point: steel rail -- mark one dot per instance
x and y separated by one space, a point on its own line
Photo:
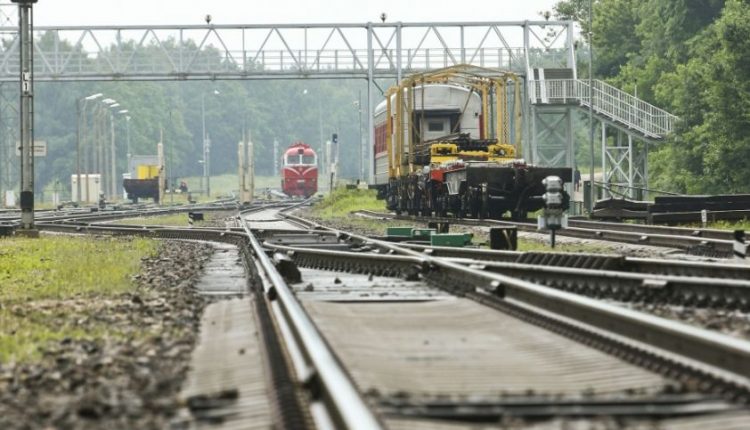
707 233
724 358
625 286
100 216
594 261
623 263
702 291
349 409
610 234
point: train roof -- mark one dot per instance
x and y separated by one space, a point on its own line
380 108
296 146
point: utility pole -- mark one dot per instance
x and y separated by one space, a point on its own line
361 142
26 41
591 107
246 168
4 155
162 173
206 145
101 164
241 169
275 157
250 166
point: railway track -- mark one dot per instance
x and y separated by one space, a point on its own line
489 287
462 299
399 264
700 241
309 387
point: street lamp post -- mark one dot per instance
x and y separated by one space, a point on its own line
114 150
105 175
81 111
206 145
112 153
127 138
96 147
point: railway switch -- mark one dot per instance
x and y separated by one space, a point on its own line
505 238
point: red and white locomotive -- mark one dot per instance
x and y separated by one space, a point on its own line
300 171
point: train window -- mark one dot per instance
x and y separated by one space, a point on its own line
435 126
308 159
292 159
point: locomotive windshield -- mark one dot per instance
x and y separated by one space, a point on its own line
294 159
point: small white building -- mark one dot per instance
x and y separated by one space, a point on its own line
91 187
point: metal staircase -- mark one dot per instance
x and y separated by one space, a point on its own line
610 103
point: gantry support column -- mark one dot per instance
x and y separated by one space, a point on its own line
624 163
552 136
370 106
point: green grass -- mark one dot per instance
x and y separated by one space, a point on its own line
224 185
342 202
47 285
720 225
61 267
728 225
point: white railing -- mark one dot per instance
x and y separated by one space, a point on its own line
609 101
165 63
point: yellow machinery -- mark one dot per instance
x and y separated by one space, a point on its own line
467 175
494 88
147 171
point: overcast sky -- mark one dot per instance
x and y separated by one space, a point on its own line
109 12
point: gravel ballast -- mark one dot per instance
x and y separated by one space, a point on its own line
128 378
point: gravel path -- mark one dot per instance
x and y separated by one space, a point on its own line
128 381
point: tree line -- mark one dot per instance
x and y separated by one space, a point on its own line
692 58
281 110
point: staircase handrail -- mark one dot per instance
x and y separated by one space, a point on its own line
610 101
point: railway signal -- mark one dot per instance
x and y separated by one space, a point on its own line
554 217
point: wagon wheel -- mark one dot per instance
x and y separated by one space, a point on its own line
519 215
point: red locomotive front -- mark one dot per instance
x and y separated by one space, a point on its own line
300 171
